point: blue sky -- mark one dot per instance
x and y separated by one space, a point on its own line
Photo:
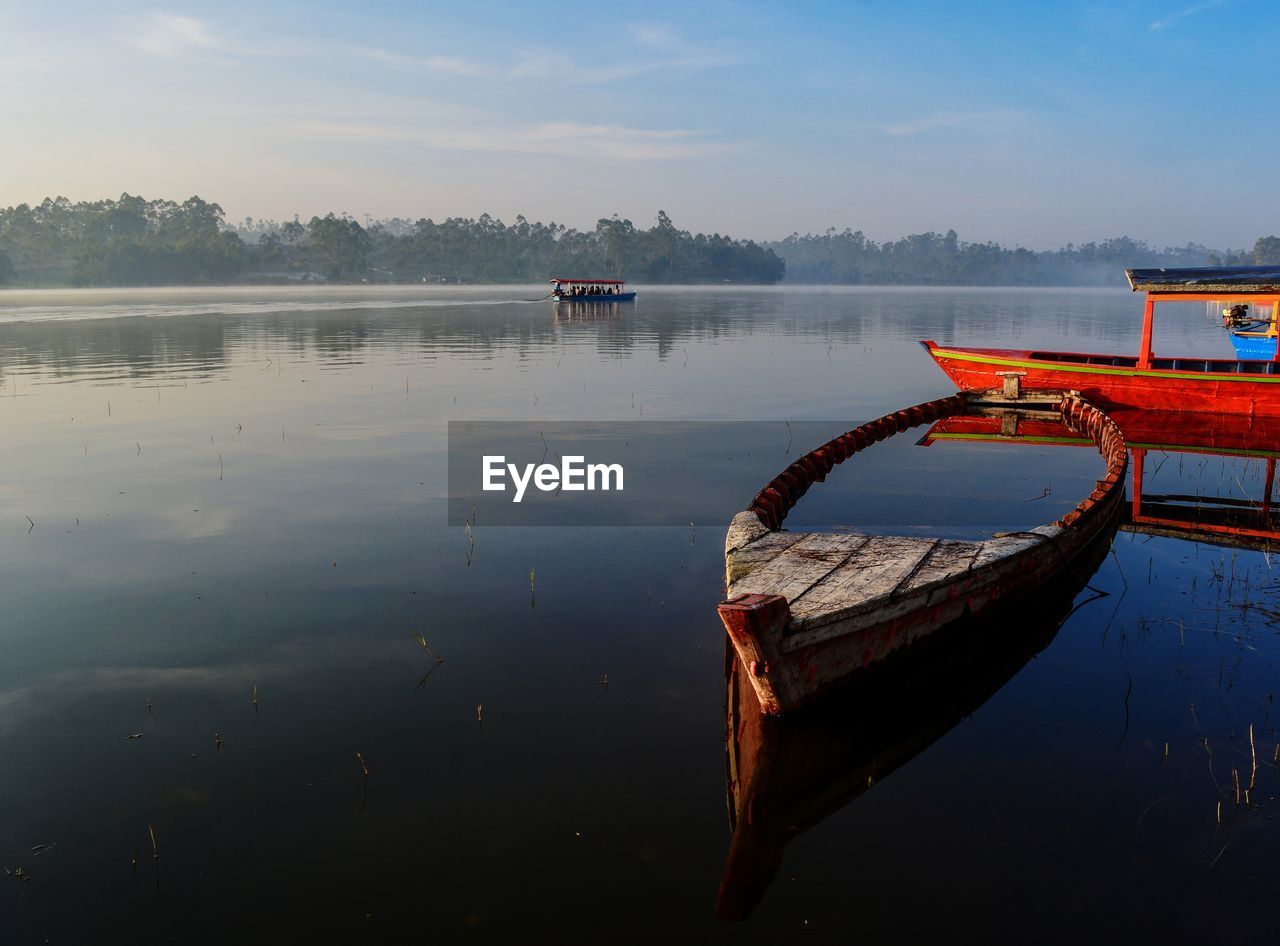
1031 123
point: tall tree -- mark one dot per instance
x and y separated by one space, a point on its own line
1267 250
342 245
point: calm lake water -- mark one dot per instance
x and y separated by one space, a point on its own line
212 496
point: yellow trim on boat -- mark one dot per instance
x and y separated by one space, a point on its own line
953 355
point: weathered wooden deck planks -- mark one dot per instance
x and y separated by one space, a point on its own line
829 577
798 568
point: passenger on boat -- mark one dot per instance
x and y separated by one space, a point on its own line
1235 315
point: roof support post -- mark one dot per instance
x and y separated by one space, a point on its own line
1272 328
1144 351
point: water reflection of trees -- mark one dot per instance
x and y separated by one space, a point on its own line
203 345
134 348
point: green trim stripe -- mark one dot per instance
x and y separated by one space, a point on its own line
1066 366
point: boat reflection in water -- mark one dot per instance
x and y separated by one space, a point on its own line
578 310
1238 521
786 775
1192 511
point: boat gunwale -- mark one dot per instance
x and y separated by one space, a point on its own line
1009 358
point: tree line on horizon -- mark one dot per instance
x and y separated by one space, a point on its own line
134 241
942 259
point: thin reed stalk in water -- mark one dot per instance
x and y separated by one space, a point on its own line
1253 753
422 642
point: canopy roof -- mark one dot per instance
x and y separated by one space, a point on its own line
1232 279
601 282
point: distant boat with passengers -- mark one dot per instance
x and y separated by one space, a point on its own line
564 289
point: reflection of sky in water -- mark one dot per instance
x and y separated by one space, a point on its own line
263 503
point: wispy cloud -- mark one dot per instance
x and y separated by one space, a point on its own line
654 34
446 65
663 50
1166 21
947 120
570 139
545 64
170 35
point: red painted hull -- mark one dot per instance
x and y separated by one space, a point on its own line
1246 388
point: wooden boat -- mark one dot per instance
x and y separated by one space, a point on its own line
1242 386
805 611
564 289
784 776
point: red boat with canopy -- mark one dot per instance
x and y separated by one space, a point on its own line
1145 380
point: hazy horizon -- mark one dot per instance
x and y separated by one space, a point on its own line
1031 126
